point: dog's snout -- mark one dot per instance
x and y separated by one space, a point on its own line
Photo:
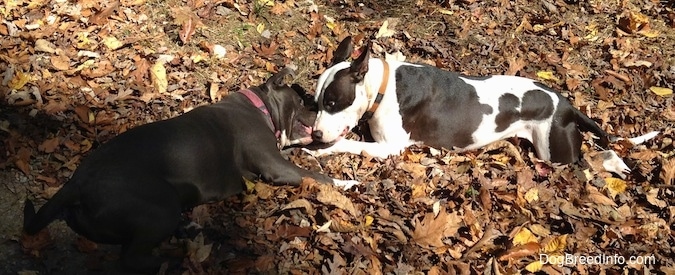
317 134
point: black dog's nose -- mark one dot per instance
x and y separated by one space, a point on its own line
317 134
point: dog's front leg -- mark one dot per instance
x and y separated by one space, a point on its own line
375 149
277 170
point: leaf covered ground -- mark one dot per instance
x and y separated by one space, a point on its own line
76 73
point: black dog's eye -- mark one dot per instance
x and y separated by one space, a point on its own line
330 104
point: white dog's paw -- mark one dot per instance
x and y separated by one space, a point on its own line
345 184
613 163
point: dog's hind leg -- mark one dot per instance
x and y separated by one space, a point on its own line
153 225
137 256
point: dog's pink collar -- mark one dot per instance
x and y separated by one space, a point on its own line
258 103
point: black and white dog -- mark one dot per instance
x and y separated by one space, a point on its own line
132 189
407 104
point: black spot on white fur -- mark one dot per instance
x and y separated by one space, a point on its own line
536 105
421 90
340 93
508 112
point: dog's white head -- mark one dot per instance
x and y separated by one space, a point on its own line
341 94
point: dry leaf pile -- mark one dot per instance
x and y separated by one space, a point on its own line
76 73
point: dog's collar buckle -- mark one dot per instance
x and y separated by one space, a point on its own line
380 93
258 103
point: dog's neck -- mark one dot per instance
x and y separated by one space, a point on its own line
258 103
380 93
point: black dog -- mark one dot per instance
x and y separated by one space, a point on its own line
132 190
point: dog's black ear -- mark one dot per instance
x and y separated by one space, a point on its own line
343 51
277 79
359 67
307 99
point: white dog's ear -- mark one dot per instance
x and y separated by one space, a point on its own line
343 51
359 67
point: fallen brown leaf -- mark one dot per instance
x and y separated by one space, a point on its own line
329 195
101 18
49 145
431 230
187 30
301 203
668 171
520 251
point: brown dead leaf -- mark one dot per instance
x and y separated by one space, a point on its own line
301 203
49 146
60 62
597 197
84 113
101 68
279 8
633 21
652 198
431 230
417 170
53 107
343 226
33 244
265 262
22 159
569 209
668 171
197 251
50 181
141 72
485 198
187 30
418 187
289 232
264 191
520 251
539 230
603 93
85 245
515 65
556 245
620 76
101 18
331 196
266 51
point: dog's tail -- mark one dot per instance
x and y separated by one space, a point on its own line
34 222
587 124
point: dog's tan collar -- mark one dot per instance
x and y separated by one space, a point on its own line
380 93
